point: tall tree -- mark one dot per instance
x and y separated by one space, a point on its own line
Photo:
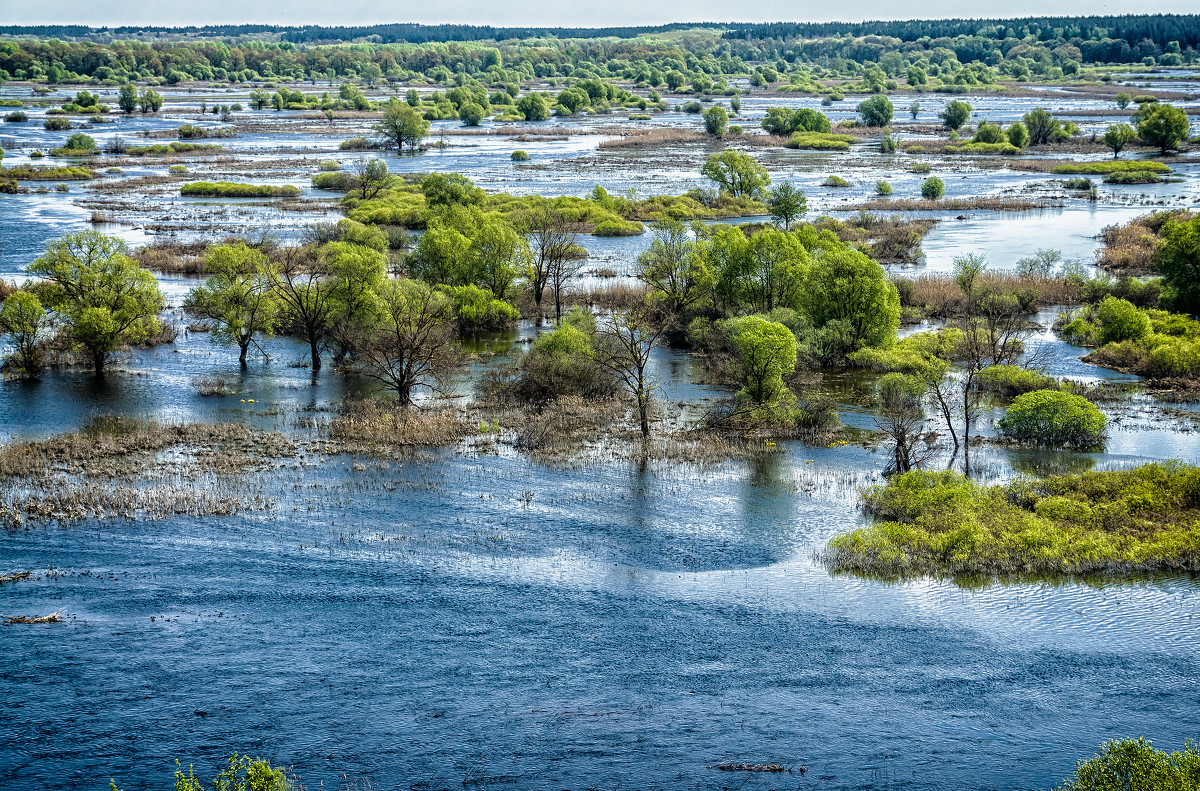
402 126
238 298
301 283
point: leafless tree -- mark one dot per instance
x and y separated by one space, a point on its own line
626 342
552 241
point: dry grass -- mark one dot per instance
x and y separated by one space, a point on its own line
7 289
173 257
378 428
981 203
211 385
938 296
115 447
888 240
655 138
1128 248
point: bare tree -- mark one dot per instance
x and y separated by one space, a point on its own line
552 242
411 343
625 344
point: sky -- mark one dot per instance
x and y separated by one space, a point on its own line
571 13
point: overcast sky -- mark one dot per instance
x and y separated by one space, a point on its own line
573 13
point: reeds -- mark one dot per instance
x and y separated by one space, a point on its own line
938 296
54 617
386 429
654 138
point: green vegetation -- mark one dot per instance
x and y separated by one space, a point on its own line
716 120
174 147
96 290
933 188
787 204
1177 257
27 172
56 124
1161 125
1053 418
736 173
835 181
1113 521
883 188
876 111
956 114
820 141
237 297
1152 343
1134 765
1117 136
1133 177
520 156
229 189
783 122
1110 166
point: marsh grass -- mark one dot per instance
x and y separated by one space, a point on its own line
634 139
384 429
979 203
1128 248
938 296
1115 522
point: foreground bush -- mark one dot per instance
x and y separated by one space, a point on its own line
1134 765
1143 519
1050 417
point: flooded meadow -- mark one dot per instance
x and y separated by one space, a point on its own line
475 615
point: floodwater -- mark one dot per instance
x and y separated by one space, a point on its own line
477 619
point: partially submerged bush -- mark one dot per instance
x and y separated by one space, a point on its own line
1053 418
933 188
229 189
835 181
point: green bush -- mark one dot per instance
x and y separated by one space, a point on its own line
835 181
1004 149
335 181
882 187
55 124
819 141
1050 417
615 227
1104 167
329 166
1120 321
1012 380
229 189
933 188
520 156
475 309
1133 177
16 117
1134 765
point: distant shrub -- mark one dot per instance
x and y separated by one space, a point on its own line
1012 380
819 141
1053 418
177 169
1133 177
16 117
920 167
356 144
56 124
617 227
520 156
229 189
882 187
933 188
835 181
329 166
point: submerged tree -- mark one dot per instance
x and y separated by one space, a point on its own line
673 267
24 321
238 298
736 173
410 343
788 204
300 281
402 126
902 416
624 347
103 296
551 239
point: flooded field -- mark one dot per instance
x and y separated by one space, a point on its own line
472 616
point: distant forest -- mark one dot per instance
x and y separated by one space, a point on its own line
1133 29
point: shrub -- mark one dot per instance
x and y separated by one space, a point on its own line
1136 766
339 181
820 141
1012 380
1050 417
1121 321
835 181
475 309
520 156
876 111
329 166
1004 149
1133 177
356 144
1018 135
933 188
177 169
617 227
55 124
882 187
229 189
16 117
1107 166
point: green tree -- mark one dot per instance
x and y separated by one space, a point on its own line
768 352
127 97
876 111
1123 99
300 281
1120 320
933 188
1177 258
99 292
1054 418
737 173
1018 135
1161 125
674 268
1042 126
370 177
956 114
1117 136
534 107
914 110
24 321
849 294
402 126
471 114
356 275
412 97
716 120
150 101
410 342
237 297
675 79
500 255
788 204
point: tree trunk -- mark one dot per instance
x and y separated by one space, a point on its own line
643 409
316 354
98 359
245 350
